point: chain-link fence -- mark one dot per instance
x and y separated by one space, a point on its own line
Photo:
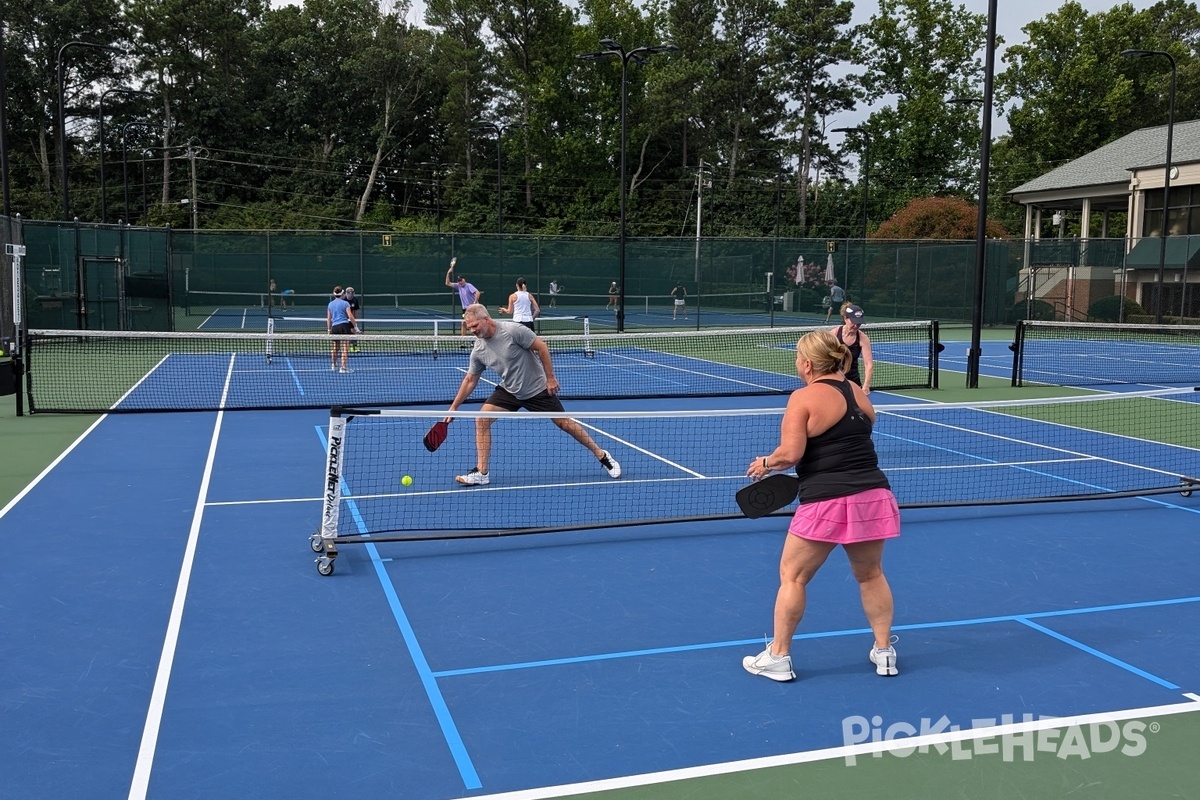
120 278
10 235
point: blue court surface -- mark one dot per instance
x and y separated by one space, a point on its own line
166 634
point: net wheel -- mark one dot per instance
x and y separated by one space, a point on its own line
1186 488
325 566
316 544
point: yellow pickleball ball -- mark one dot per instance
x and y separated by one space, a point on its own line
406 480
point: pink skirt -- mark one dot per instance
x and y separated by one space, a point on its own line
863 517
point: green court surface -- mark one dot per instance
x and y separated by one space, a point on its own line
1164 769
31 443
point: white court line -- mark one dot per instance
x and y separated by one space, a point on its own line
41 475
140 783
1030 443
12 503
846 751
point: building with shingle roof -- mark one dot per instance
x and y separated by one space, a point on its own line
1126 176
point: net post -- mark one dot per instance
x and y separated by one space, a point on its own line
588 352
270 342
935 347
16 252
1018 346
332 497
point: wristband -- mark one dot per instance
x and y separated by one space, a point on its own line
768 469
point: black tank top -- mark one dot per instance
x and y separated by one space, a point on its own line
841 461
855 352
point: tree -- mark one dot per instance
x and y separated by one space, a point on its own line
681 93
34 35
942 218
534 44
1076 93
921 53
808 38
1071 82
751 108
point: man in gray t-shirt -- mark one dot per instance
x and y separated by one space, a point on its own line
522 360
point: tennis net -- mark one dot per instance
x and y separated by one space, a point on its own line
120 371
687 465
226 310
1095 354
421 326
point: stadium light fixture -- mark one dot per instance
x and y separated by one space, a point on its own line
103 189
62 120
125 157
639 55
1162 242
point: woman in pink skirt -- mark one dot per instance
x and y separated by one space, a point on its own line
844 500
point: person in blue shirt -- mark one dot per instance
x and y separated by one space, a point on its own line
339 322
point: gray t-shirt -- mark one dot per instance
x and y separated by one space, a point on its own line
508 353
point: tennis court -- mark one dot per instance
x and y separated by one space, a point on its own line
212 311
177 641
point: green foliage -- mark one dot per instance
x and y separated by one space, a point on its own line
945 218
1035 309
921 52
339 113
1108 309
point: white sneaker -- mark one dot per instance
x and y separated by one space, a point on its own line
884 661
769 665
473 478
610 465
344 370
333 367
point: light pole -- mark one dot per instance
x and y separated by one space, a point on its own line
974 354
640 55
499 130
103 190
985 157
4 133
62 121
866 176
125 158
775 241
1162 242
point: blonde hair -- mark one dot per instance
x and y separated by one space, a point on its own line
826 353
477 310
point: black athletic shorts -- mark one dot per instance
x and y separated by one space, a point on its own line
539 402
342 328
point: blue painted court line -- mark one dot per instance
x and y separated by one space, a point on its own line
295 377
454 741
1021 618
1093 651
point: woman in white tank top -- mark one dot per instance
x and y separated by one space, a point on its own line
522 306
